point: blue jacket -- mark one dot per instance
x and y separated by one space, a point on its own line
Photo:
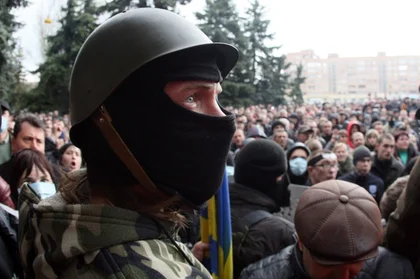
371 183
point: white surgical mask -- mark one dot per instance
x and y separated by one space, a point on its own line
4 122
298 166
43 189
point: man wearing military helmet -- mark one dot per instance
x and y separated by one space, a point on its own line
120 216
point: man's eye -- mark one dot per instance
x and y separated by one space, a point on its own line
190 99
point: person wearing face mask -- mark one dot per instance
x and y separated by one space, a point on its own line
5 137
32 167
255 195
297 172
120 215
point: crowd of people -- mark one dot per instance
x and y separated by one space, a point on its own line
373 145
100 194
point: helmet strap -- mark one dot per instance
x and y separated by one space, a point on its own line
103 120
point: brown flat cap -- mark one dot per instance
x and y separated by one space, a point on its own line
338 222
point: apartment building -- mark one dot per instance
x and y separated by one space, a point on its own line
344 78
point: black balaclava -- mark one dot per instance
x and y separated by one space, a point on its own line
259 164
183 152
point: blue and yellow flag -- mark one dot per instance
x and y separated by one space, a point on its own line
216 229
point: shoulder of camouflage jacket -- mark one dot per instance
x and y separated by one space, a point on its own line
91 241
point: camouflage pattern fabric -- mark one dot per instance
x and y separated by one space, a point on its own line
63 240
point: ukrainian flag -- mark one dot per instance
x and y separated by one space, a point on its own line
216 229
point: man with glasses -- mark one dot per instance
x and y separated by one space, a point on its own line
322 166
361 175
384 165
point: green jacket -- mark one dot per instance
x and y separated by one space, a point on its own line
63 240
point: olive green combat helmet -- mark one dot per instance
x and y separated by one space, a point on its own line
126 42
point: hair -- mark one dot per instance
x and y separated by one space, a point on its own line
342 133
410 165
386 136
313 145
352 135
23 163
327 122
339 145
372 133
31 119
377 123
280 132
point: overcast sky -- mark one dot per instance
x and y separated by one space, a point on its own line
349 28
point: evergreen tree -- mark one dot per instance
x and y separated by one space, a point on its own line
221 22
118 6
256 28
267 69
77 23
271 88
296 93
8 56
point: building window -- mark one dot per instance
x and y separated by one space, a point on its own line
402 67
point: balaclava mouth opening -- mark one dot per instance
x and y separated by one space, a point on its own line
183 152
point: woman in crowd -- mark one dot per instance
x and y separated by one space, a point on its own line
70 157
345 161
404 150
32 167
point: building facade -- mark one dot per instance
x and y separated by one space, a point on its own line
347 78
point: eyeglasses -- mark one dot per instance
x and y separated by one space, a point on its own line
327 166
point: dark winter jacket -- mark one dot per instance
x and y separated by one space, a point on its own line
345 167
371 183
9 255
388 171
403 228
266 237
288 265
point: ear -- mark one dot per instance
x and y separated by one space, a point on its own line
299 244
13 144
310 169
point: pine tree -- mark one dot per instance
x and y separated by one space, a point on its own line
256 28
268 70
119 6
221 23
296 93
8 56
77 23
274 81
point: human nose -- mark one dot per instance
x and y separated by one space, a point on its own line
211 106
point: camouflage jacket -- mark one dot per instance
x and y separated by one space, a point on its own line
63 240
